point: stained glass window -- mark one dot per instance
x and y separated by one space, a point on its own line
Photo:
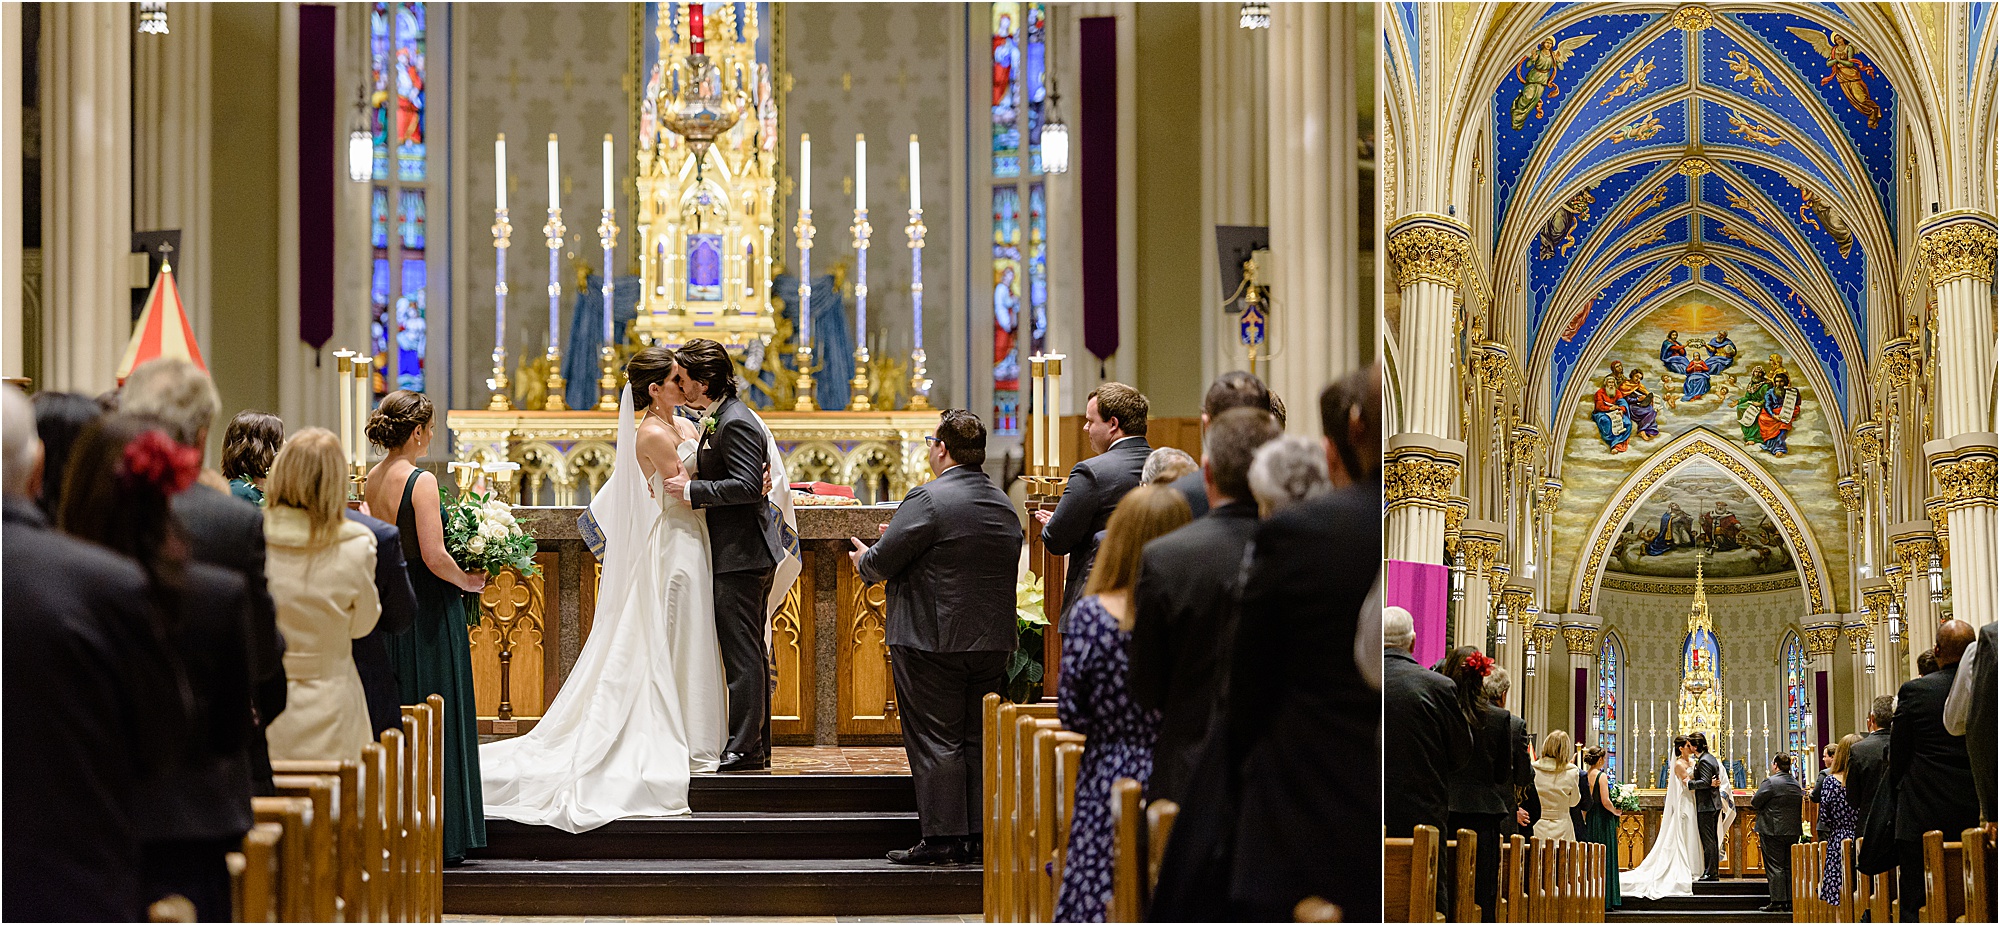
1006 309
1798 700
1006 90
1037 86
1610 698
1038 268
398 36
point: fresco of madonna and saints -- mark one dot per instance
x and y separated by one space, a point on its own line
1701 511
1698 361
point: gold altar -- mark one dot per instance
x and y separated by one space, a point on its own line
833 680
566 455
1740 854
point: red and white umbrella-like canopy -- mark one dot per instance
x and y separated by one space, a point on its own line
163 329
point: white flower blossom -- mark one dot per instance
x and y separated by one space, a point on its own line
476 546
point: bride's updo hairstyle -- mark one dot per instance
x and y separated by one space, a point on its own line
397 417
647 368
1680 741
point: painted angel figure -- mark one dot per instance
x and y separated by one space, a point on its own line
1844 64
1814 210
1537 73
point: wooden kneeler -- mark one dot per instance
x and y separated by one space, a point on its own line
324 869
1977 844
253 874
1944 880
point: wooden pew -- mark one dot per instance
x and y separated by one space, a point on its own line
324 871
302 843
395 890
375 822
253 874
1409 876
1944 880
1160 817
1977 844
1005 867
1068 766
422 730
1465 851
347 818
1128 847
1025 876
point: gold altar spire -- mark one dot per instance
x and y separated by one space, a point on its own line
1701 684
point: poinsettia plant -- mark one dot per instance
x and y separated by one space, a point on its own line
1024 667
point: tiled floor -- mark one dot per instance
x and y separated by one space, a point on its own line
835 760
719 918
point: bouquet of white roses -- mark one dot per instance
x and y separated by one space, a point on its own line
1626 798
481 534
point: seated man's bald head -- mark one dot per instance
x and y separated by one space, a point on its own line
1952 638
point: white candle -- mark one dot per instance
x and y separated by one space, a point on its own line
555 189
607 170
861 171
346 401
805 172
500 171
364 383
916 177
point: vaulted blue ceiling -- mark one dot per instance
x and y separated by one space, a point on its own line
1652 156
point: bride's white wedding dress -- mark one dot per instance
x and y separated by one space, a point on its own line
1674 862
645 705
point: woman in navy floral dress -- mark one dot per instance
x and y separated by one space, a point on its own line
1837 818
1092 698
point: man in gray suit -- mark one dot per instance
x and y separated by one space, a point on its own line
1777 806
949 556
1114 421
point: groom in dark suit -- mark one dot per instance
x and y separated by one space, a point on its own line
1706 782
745 540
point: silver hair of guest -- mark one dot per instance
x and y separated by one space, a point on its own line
1399 629
1286 471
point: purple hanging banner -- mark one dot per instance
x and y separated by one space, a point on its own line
318 116
1097 180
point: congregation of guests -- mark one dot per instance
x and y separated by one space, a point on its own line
173 629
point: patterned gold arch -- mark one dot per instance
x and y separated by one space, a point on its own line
1701 443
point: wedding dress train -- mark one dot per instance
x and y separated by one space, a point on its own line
645 705
1674 862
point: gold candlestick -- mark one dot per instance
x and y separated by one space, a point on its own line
554 229
607 235
803 358
857 396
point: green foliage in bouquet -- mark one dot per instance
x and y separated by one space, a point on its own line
481 535
1024 667
1626 798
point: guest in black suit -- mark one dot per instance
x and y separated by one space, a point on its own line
949 556
1710 789
96 702
1868 760
59 418
1183 623
1483 789
1969 712
221 530
1929 771
746 541
1114 421
192 813
399 612
1233 389
1778 804
1429 738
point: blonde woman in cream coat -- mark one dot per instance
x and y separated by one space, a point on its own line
321 568
1557 785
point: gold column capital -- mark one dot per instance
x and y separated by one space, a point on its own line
1581 638
1420 470
1958 245
1964 468
1428 247
1850 493
1820 637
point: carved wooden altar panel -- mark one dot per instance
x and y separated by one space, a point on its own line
866 688
792 650
513 620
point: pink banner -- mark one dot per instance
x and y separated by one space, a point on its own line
1423 590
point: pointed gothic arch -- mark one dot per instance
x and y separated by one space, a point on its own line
1702 445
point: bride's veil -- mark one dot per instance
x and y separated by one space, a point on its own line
620 512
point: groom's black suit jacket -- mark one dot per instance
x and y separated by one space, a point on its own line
743 534
1705 782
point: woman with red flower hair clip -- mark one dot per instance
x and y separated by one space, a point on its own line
1483 789
193 807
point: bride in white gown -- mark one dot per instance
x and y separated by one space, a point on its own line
1674 862
645 706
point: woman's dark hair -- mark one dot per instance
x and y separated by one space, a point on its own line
123 474
1470 681
708 363
60 418
397 417
1680 741
647 368
964 437
250 443
1783 762
1593 755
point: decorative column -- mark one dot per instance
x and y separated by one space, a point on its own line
1427 254
1484 545
1581 638
1511 653
1958 250
170 150
1822 630
1235 158
1911 545
1890 669
13 292
1315 325
86 103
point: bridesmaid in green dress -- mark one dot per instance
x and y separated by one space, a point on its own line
1600 821
435 656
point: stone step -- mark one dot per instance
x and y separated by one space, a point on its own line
716 835
626 887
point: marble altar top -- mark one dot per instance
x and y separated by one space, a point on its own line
815 523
